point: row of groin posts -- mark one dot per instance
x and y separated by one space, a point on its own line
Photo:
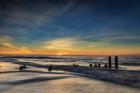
115 60
109 65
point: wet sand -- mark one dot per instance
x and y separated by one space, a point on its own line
36 80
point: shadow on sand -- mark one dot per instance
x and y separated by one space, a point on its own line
32 71
34 80
122 77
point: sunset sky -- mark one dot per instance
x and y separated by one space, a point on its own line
70 27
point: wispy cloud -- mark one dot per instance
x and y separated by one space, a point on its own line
22 15
68 44
8 47
68 26
23 20
60 44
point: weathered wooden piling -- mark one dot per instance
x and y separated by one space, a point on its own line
75 65
95 65
21 68
105 65
116 62
99 65
50 68
109 62
90 65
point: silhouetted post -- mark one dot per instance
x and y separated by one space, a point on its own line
24 67
90 65
50 68
105 65
116 62
75 65
99 65
109 62
95 65
21 68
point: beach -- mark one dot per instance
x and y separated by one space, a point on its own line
37 79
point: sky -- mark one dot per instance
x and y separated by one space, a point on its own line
70 27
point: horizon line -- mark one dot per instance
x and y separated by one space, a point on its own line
67 55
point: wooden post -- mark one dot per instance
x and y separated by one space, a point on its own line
99 65
109 62
116 62
105 65
90 65
95 65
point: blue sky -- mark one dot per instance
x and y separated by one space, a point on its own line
106 24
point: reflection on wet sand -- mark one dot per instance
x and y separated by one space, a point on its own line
36 78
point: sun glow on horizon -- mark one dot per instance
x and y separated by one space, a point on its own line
66 46
71 27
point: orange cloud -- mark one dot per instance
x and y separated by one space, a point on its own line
65 46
